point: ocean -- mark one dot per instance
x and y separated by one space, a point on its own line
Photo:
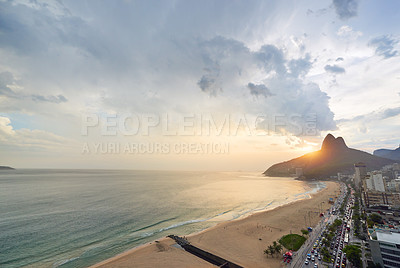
75 218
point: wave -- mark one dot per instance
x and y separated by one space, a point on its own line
153 224
62 262
181 224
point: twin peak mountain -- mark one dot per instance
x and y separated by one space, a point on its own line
334 157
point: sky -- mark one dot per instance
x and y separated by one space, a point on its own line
194 85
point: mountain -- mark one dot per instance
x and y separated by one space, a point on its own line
6 168
390 154
333 157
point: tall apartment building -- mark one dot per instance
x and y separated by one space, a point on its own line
360 173
374 182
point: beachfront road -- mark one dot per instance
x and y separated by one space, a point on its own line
301 254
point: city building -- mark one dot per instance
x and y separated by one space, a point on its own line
374 182
299 172
374 198
394 185
360 173
396 166
385 248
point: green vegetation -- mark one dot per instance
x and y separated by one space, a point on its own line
304 232
376 218
353 254
326 256
373 265
275 248
292 241
357 219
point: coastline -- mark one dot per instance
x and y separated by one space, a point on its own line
242 240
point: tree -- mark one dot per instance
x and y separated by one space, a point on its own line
353 254
326 255
376 218
266 252
271 250
304 232
374 265
278 248
337 222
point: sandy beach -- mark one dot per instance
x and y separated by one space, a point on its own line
240 241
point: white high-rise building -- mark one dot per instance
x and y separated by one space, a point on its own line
375 182
379 182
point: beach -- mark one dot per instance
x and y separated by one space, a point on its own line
240 241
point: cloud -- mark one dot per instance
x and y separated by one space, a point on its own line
384 46
53 99
345 9
347 33
300 67
340 59
269 65
27 139
373 116
5 127
7 80
390 112
379 121
334 69
317 13
259 90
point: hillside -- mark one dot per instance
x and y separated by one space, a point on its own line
6 168
333 157
390 154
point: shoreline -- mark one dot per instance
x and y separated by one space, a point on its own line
253 233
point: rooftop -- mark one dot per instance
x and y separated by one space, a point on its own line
389 237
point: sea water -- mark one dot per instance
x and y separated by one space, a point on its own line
75 218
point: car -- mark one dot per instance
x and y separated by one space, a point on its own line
312 258
306 262
316 254
319 258
312 251
315 265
